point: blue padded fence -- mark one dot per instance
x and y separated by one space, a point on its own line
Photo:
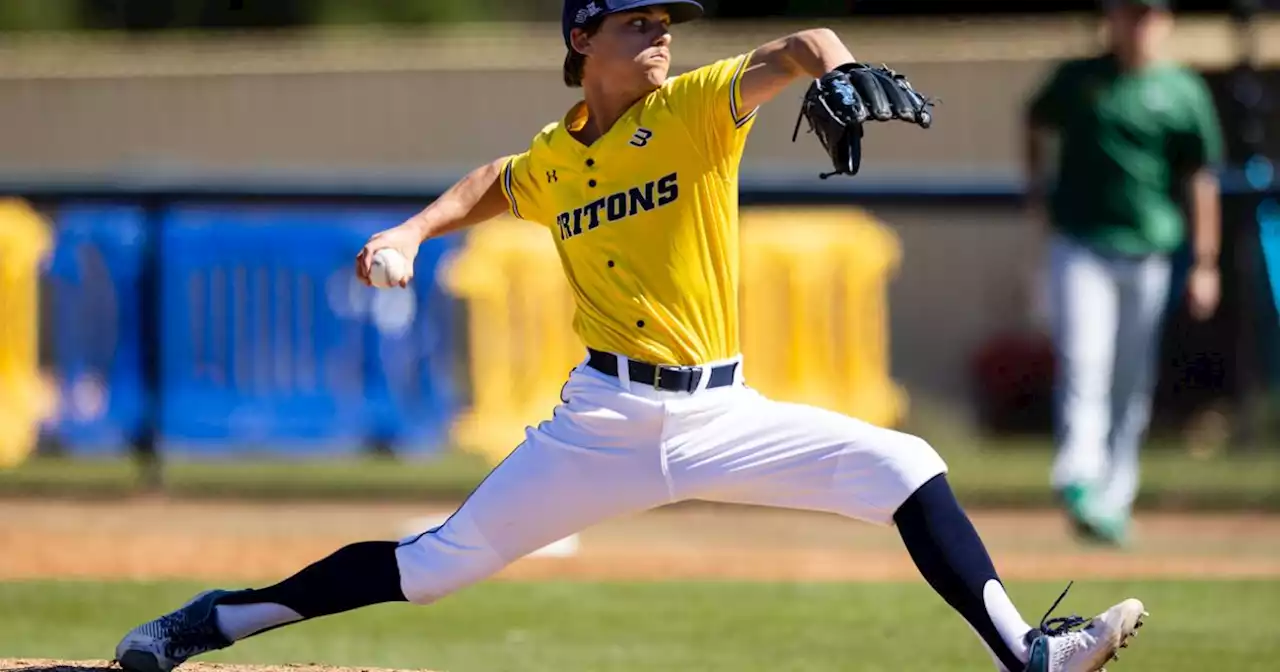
94 284
267 343
271 343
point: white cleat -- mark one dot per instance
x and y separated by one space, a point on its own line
1061 645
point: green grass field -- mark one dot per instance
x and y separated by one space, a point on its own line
571 627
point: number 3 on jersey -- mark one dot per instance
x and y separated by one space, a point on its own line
641 138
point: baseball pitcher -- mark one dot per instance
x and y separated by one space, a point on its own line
637 186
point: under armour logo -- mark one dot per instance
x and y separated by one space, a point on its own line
641 138
551 177
587 12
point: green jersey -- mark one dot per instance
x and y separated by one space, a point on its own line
1127 143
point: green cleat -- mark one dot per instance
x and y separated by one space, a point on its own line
1088 525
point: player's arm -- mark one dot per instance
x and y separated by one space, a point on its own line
777 64
1205 151
475 198
1206 220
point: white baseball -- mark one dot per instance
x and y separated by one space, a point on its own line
389 268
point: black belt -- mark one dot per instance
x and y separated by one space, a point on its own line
670 378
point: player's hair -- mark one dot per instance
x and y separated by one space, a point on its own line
574 61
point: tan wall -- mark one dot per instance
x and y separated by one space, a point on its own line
964 275
430 101
344 122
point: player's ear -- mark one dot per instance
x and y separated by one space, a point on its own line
580 40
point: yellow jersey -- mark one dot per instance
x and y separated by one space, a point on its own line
645 219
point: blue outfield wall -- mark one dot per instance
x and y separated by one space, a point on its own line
95 294
266 342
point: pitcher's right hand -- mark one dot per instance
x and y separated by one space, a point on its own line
404 239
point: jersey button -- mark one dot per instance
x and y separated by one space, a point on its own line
610 263
591 162
592 183
640 323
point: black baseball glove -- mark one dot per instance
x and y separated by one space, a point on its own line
841 101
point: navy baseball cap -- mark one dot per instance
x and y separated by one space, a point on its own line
578 13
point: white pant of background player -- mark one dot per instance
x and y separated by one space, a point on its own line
615 447
1106 315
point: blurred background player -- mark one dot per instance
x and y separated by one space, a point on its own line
1138 136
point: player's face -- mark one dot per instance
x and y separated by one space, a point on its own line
1139 31
633 47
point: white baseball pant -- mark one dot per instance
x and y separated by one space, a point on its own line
614 448
1106 315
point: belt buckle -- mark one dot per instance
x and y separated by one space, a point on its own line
657 377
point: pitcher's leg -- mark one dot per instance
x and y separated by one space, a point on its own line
795 456
544 492
419 569
592 462
952 558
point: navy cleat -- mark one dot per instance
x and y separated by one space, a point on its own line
167 642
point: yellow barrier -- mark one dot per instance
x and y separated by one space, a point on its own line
25 397
815 310
520 311
814 319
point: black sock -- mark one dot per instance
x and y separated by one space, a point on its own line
948 552
354 576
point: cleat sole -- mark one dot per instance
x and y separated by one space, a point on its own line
139 661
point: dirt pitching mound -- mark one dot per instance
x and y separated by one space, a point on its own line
40 665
